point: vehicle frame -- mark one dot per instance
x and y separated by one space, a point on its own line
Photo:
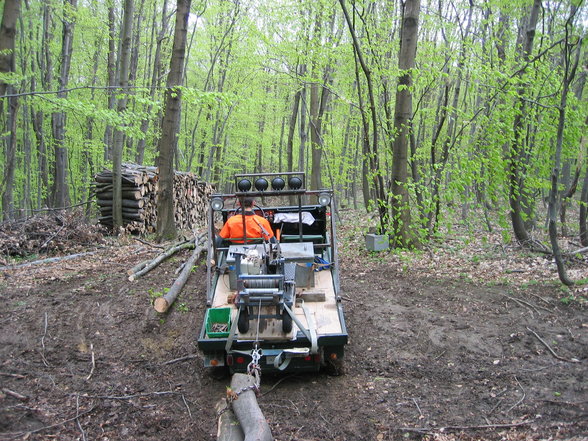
303 331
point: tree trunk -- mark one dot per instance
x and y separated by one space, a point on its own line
302 127
372 156
163 303
291 131
403 124
10 158
155 80
111 69
59 119
253 423
584 210
118 138
516 168
7 46
166 227
7 38
569 72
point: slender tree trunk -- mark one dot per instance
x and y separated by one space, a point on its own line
403 124
584 198
10 158
376 172
302 129
59 119
291 131
155 80
571 189
166 227
118 138
7 39
516 153
569 72
7 46
112 74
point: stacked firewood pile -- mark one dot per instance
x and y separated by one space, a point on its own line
139 198
64 231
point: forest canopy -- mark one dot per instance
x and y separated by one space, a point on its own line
410 109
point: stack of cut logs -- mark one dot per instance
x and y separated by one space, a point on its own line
139 197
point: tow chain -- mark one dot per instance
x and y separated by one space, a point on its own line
253 370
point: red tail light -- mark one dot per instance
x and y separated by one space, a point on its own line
240 360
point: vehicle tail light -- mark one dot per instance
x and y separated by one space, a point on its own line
240 360
214 362
230 360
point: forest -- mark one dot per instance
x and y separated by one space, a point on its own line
456 127
423 112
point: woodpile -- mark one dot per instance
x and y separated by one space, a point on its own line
55 233
139 199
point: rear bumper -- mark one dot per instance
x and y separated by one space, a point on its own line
285 356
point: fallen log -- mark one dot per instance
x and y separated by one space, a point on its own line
229 428
138 267
253 423
162 304
160 258
49 260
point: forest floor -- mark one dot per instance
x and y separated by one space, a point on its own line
471 340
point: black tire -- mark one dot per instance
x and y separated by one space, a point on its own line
334 368
220 373
286 322
243 323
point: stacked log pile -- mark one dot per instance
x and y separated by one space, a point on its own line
139 198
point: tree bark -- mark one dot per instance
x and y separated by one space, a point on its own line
111 72
7 45
400 209
118 138
372 149
155 80
7 39
570 68
229 428
166 227
253 423
163 303
10 159
583 212
59 119
516 154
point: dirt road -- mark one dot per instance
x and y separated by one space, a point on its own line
83 355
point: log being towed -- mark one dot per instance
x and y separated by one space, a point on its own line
247 411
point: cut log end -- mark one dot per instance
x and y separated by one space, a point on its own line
161 305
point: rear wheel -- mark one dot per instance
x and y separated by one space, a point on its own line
286 322
243 323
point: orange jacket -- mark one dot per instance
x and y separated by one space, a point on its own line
233 228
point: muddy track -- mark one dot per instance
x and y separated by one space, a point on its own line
428 359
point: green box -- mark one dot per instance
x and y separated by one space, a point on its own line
221 316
